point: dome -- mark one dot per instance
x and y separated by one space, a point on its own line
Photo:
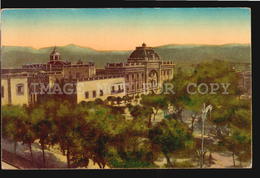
144 53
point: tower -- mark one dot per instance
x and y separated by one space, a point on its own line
54 56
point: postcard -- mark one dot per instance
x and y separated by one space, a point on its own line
126 88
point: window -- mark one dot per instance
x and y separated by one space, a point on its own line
86 94
133 87
119 88
101 93
94 94
113 88
2 91
20 89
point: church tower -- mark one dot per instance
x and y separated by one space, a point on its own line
54 56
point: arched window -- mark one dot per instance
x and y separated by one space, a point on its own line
101 93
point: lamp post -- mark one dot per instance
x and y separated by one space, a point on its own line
205 110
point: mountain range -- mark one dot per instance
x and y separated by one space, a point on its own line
15 56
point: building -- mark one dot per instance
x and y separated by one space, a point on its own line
32 83
14 89
245 83
68 70
143 71
89 90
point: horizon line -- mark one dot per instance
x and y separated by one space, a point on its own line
177 44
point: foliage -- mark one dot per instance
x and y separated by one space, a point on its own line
171 136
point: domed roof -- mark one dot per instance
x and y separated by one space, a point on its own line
144 53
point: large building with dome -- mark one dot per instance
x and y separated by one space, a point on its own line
144 71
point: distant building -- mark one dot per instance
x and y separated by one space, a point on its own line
89 90
144 71
245 83
14 89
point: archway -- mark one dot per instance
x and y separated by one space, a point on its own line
153 79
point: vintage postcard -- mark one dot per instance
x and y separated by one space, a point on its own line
109 88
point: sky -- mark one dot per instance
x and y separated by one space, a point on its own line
124 28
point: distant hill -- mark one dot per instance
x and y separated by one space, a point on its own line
15 56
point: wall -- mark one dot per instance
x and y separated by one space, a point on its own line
97 85
83 71
4 100
15 98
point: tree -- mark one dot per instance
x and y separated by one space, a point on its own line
156 102
171 136
111 99
229 111
96 129
118 100
99 101
29 136
141 112
42 120
65 126
237 138
239 143
179 97
14 123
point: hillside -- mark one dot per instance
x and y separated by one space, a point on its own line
15 56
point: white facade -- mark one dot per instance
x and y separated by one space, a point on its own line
101 88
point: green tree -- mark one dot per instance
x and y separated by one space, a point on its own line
13 118
229 111
156 102
42 120
179 97
65 127
141 112
29 136
171 136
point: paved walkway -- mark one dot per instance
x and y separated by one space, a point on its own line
54 158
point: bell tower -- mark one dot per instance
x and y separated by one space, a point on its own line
54 56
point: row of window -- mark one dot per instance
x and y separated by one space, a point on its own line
94 94
19 89
135 76
119 89
101 92
141 75
138 86
166 72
